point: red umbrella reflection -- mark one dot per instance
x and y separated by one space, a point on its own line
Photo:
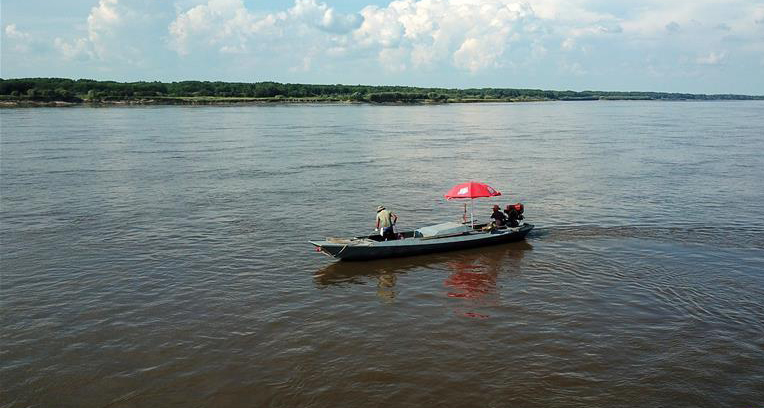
473 283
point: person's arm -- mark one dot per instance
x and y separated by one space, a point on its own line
395 218
377 225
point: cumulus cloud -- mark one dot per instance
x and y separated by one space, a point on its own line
229 26
475 54
223 23
393 59
470 34
116 31
102 21
323 17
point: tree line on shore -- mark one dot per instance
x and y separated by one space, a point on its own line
87 90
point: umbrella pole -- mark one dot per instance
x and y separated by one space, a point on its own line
472 215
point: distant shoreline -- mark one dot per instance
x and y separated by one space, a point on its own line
240 101
62 92
5 103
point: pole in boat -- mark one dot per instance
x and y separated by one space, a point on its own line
472 213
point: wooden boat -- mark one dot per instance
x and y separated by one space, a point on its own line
447 236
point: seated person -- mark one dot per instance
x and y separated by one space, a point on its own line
513 215
499 219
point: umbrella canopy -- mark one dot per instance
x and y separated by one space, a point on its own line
471 190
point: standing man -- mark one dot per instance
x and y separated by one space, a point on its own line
385 222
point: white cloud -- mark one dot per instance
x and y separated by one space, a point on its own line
579 11
568 44
393 59
656 16
223 23
573 68
381 26
595 29
538 50
469 34
20 39
303 66
228 25
475 54
117 31
323 17
103 21
27 47
712 58
13 33
78 49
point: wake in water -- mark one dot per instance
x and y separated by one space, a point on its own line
723 235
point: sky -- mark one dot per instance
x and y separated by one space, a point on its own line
693 46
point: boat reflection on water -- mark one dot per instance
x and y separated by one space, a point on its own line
472 273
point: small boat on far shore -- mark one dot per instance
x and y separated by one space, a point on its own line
449 236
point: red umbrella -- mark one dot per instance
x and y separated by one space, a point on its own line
471 190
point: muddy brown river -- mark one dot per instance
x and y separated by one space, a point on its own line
159 256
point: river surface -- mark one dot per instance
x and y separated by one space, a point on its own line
158 256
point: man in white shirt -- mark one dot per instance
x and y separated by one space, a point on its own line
385 221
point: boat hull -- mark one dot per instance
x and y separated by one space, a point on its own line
419 246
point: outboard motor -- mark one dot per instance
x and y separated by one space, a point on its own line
514 214
519 207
